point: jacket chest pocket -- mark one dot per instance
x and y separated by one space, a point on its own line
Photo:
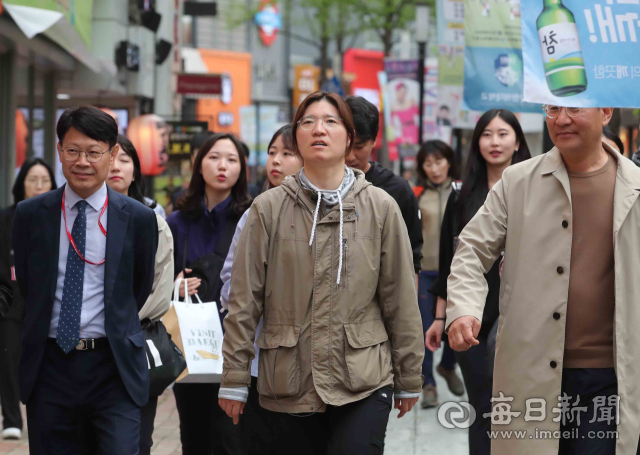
367 355
279 367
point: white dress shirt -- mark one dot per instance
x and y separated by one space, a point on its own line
92 314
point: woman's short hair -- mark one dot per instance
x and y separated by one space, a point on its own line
343 111
439 149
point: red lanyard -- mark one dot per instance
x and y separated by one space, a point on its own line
73 243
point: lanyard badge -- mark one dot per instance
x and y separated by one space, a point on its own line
73 243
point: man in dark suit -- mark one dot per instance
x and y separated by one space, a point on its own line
84 261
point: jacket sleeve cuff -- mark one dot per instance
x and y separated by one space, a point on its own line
457 313
235 394
411 384
235 378
406 395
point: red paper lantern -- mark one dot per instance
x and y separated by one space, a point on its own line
150 137
22 132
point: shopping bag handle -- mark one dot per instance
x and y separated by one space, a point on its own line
176 291
187 297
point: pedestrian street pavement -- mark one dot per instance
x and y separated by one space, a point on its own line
417 433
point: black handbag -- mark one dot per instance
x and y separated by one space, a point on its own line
165 360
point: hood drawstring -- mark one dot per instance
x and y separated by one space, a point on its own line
340 242
315 223
315 219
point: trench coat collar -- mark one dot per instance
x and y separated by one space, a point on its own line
627 187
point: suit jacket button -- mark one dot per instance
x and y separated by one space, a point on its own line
553 364
565 224
556 316
560 270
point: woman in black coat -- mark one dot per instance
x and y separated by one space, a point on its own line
34 179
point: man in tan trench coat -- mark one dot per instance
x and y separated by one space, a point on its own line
569 325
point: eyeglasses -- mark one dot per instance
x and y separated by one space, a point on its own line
35 180
554 111
309 122
93 156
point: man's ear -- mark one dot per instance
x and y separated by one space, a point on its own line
607 113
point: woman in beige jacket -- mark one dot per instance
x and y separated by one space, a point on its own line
331 271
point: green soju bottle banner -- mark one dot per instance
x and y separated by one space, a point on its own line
582 53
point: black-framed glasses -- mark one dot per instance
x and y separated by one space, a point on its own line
309 122
93 155
554 111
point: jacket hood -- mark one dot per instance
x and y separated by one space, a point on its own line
379 174
292 186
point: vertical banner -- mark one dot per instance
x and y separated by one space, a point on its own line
403 95
306 81
269 124
493 69
433 125
582 53
449 112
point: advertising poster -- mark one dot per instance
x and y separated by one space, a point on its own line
403 94
434 124
449 111
493 68
582 53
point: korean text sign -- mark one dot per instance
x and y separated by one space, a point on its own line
582 53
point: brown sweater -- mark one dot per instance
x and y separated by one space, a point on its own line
591 304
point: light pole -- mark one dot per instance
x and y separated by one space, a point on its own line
423 14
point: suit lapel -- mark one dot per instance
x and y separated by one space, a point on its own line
52 219
117 221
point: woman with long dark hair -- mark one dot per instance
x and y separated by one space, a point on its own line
203 227
498 142
35 178
326 260
437 170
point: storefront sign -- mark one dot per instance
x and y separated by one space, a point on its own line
199 84
306 82
180 135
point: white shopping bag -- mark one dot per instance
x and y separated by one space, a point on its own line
201 336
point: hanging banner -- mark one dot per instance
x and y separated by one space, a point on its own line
493 69
450 14
401 112
582 53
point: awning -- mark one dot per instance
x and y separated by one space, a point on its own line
55 26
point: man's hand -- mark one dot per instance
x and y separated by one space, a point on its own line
233 408
463 333
404 404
